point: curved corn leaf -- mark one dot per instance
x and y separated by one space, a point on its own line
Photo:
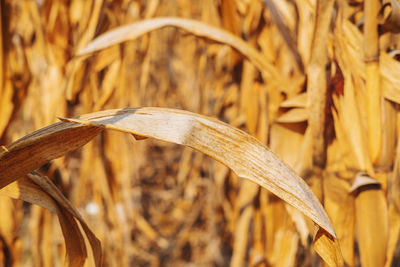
35 149
41 191
201 29
244 154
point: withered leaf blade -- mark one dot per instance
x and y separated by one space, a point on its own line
244 154
68 209
298 101
293 115
39 147
201 29
27 190
328 248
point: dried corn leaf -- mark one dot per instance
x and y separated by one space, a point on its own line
37 148
298 101
41 191
328 248
343 220
294 115
246 156
135 30
48 187
28 191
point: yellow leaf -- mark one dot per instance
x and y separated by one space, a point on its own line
134 30
41 191
245 155
39 147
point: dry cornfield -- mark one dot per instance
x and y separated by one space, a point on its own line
218 89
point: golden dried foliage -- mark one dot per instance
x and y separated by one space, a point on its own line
315 81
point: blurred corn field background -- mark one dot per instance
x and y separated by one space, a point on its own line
317 81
